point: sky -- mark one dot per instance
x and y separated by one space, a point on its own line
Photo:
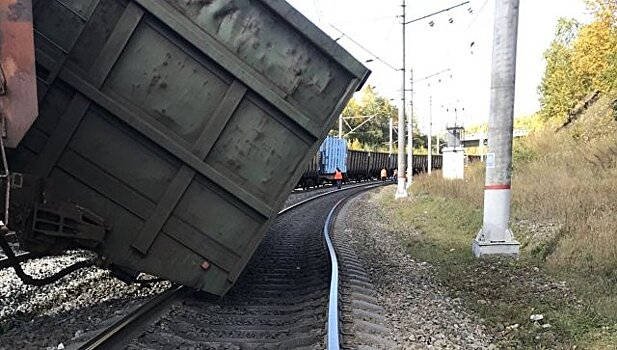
457 46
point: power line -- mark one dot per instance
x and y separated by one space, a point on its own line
370 19
317 10
432 75
437 12
343 34
390 29
477 14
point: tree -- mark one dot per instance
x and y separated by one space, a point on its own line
581 59
374 134
558 91
595 48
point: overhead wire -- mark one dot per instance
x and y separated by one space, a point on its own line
369 19
437 12
391 28
447 84
477 14
343 34
317 10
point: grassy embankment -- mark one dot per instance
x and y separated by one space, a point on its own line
564 211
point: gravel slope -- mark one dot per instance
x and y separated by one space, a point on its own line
417 307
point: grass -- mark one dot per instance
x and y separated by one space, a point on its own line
563 211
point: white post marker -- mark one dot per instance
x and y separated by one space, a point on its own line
340 126
430 133
391 137
495 238
401 189
410 135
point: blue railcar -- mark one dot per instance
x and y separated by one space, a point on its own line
332 155
357 165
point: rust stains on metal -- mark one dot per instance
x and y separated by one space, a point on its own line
18 102
19 11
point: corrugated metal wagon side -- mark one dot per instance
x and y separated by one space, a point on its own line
181 125
333 155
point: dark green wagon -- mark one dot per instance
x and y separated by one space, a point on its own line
171 132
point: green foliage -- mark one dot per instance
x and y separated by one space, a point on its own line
523 153
563 213
374 134
477 128
596 46
581 59
558 92
530 123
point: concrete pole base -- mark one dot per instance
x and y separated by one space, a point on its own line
481 247
401 190
398 195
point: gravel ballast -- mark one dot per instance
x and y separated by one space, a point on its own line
418 309
65 312
70 311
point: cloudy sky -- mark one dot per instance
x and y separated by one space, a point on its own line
444 46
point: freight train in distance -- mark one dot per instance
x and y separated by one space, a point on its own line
358 165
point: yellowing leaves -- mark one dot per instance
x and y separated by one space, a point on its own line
580 59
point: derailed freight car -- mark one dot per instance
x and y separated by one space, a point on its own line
171 132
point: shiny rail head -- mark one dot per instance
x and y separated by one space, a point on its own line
333 331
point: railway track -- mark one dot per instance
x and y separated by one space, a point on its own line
25 256
288 297
328 186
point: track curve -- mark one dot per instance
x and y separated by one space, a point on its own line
279 302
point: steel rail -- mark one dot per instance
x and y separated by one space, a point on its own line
332 328
369 185
333 332
114 336
299 190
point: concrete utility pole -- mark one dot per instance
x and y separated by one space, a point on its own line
391 136
430 132
401 190
340 126
495 238
410 135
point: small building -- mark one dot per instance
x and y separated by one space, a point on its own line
454 153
